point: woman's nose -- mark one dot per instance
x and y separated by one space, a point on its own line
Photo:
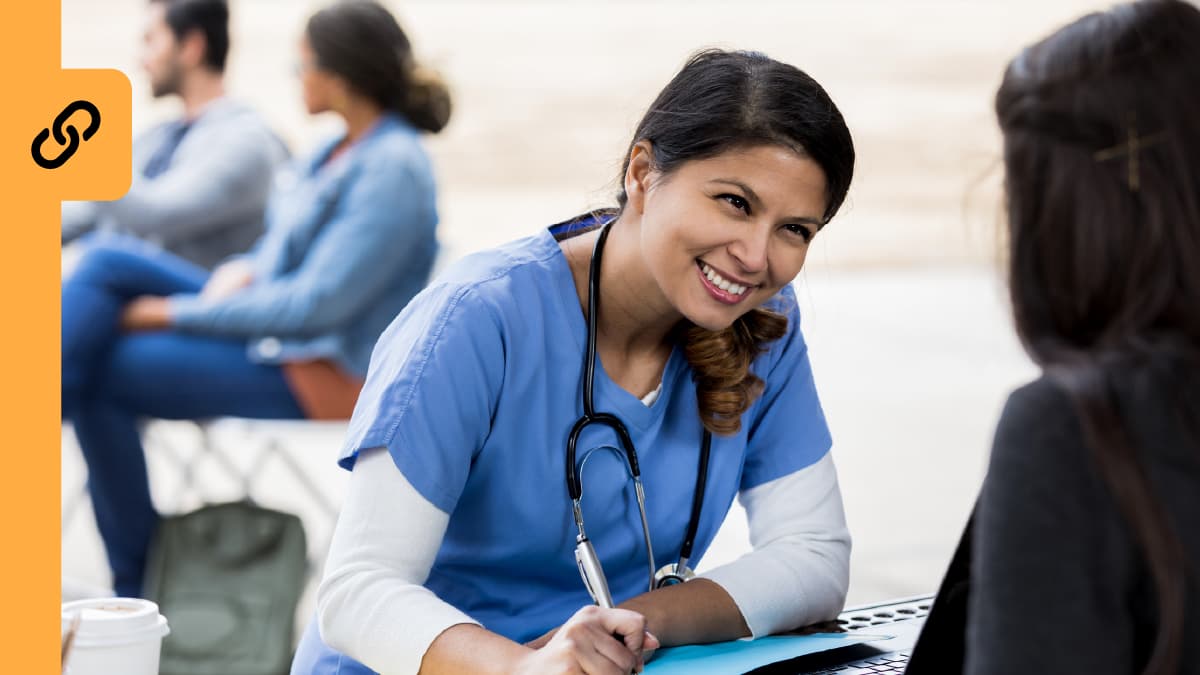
750 249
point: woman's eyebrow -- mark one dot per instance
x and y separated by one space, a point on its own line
750 194
756 201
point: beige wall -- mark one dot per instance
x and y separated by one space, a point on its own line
548 92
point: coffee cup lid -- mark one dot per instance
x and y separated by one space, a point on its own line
113 621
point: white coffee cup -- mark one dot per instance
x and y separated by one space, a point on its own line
115 635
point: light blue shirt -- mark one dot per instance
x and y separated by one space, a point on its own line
349 242
473 391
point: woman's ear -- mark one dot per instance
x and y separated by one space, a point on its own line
339 94
637 176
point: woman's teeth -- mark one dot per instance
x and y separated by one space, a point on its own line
716 280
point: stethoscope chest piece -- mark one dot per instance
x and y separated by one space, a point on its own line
672 574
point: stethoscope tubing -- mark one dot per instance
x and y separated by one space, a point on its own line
590 416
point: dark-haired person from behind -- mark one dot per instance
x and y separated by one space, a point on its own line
201 181
285 331
522 392
1085 552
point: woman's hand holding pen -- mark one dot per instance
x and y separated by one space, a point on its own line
595 641
647 650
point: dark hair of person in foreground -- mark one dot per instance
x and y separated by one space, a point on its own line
1101 127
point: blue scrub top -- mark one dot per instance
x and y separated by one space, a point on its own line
473 391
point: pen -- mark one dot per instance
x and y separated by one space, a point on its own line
592 573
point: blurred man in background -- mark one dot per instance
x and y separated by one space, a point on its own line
200 182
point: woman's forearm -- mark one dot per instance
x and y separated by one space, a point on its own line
698 611
797 574
468 648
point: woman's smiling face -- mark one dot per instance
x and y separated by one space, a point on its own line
722 235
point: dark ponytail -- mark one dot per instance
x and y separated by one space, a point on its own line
360 41
721 360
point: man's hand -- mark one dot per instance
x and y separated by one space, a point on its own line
227 279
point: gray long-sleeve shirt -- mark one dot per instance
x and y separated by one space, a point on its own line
209 202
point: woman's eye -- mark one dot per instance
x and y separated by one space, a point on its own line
801 231
738 203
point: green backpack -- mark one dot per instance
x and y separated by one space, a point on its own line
228 577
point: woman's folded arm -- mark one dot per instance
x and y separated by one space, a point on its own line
371 604
799 570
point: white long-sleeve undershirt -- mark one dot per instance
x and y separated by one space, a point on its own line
372 605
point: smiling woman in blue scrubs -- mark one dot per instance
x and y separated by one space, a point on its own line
456 548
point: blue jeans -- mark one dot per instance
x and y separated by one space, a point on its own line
111 379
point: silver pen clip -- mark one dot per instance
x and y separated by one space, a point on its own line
590 570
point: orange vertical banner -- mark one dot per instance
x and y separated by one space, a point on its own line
63 135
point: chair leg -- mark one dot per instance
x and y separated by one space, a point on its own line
78 496
213 451
274 447
154 436
264 445
297 470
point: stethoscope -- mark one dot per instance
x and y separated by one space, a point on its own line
585 554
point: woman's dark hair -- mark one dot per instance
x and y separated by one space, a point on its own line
1102 157
360 41
210 17
722 101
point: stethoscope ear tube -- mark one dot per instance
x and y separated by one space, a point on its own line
679 572
689 539
593 311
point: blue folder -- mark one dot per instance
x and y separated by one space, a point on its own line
739 656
